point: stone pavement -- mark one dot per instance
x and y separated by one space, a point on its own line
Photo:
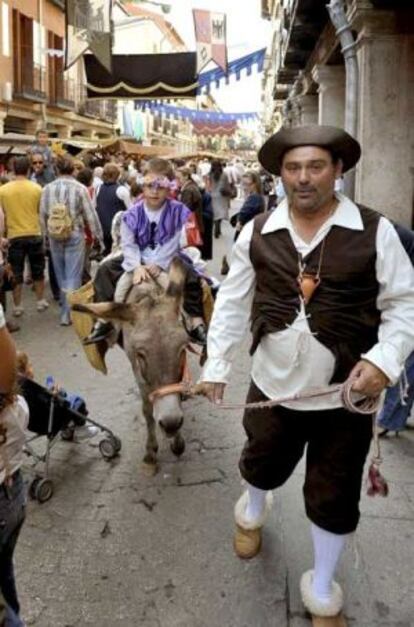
113 547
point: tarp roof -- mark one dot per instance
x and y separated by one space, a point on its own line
133 148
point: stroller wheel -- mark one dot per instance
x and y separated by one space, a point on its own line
67 434
41 489
32 487
117 442
108 448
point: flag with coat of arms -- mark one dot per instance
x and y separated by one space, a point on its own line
210 30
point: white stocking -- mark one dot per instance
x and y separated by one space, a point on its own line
256 503
327 548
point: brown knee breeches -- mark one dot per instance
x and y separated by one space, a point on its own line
337 445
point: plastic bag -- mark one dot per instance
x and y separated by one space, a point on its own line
193 232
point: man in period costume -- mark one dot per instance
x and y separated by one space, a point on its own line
317 278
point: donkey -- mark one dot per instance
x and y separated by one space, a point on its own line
155 341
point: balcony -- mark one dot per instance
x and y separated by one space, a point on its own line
302 24
105 110
62 92
30 83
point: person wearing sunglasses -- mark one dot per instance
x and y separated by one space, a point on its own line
40 174
152 234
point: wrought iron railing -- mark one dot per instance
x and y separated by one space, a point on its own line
31 83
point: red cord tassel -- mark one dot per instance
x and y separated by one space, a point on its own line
376 482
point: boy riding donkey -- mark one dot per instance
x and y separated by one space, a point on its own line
318 279
152 234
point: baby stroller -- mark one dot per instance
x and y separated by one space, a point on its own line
51 414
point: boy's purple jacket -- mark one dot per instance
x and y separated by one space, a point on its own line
173 217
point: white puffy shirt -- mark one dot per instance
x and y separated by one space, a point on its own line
293 360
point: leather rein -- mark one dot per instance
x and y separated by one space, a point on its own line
186 387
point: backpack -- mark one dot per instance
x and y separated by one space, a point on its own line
59 222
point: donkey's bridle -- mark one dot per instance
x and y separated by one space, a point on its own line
185 386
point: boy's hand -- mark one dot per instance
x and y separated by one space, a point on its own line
140 274
153 270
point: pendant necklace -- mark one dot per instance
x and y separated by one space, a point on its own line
307 281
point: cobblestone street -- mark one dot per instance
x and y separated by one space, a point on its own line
113 547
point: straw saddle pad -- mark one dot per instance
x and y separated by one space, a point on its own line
83 324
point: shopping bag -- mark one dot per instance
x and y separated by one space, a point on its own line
193 232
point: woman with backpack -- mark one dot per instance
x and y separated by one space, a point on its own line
65 210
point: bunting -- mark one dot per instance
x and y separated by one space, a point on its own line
183 113
235 68
211 129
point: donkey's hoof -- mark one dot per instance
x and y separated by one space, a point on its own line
178 445
149 469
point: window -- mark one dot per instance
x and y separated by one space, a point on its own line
29 77
5 29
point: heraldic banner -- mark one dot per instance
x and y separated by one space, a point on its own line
210 30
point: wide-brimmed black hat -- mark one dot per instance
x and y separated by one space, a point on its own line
334 139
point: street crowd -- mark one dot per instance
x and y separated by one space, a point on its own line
95 193
120 221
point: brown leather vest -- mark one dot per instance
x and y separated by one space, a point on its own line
342 312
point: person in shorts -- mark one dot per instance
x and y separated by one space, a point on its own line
20 201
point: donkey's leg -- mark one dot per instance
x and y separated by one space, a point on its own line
178 444
150 465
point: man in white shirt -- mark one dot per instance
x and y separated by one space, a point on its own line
317 279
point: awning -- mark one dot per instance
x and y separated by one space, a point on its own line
199 154
135 76
130 147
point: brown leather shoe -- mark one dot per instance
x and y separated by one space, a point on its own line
247 542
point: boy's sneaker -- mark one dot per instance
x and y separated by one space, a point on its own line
84 432
18 311
42 305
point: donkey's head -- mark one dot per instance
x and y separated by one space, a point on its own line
155 341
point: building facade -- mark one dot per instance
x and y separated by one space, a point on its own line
306 82
35 92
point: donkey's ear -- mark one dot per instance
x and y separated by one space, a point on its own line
109 311
176 280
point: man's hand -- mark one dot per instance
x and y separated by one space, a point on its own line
140 274
368 379
214 391
153 270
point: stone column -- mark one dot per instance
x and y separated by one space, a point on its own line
331 90
3 116
386 112
308 106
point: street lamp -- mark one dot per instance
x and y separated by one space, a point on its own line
165 8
